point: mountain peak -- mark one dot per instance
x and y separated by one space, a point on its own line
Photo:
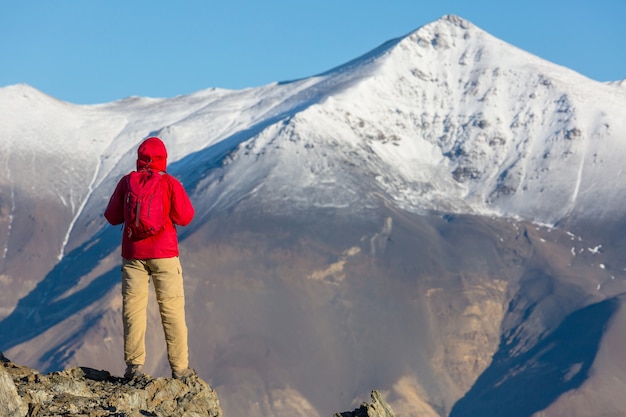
453 119
455 20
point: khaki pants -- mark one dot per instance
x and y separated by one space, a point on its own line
167 278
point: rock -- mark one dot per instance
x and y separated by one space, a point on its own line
96 393
90 392
11 405
377 408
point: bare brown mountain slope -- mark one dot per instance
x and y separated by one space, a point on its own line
304 315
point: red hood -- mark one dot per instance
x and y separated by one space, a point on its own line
152 154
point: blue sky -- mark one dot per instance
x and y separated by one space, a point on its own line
95 51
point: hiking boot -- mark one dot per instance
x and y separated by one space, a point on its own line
133 371
185 373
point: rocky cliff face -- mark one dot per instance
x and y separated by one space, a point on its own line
95 393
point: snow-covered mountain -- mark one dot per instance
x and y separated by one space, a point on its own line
445 122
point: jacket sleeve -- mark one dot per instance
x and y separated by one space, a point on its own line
114 212
181 210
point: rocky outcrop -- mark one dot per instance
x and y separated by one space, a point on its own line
377 408
95 393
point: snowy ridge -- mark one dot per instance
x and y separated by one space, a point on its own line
446 118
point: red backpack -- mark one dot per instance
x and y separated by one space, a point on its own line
144 209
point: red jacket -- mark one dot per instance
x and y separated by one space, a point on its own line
152 155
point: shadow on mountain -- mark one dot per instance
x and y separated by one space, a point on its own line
521 384
45 306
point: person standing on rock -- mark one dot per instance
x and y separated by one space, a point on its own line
152 255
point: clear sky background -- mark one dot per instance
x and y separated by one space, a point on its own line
96 51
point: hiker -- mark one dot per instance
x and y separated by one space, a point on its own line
154 256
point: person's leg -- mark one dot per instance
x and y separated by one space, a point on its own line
168 284
135 292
